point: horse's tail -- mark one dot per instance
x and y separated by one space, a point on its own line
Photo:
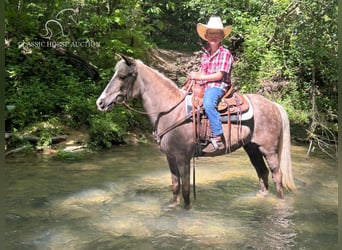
284 153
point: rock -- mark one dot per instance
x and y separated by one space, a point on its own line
73 148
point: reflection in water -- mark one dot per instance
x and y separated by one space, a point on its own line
120 200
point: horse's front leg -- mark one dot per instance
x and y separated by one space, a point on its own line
180 173
186 191
175 188
175 180
184 170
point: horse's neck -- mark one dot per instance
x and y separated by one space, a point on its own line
159 94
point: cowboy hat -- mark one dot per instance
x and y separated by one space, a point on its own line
213 23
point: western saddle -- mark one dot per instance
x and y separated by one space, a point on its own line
232 103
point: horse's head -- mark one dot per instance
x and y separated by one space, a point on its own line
121 87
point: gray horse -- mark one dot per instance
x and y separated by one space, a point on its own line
265 137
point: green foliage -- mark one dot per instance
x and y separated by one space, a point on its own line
42 92
45 131
107 129
40 84
72 156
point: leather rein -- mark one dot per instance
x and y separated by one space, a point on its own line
158 136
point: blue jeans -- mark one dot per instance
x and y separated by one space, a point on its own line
210 101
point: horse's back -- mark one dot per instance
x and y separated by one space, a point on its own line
264 109
267 120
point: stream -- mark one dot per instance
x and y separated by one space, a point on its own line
120 199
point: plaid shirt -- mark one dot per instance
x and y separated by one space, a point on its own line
222 61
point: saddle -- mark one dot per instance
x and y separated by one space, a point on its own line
232 104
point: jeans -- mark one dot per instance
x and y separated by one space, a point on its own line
210 101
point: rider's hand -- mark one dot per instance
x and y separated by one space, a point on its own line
195 75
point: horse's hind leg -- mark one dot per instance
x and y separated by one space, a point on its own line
273 163
175 179
258 162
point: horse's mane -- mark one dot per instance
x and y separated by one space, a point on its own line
167 82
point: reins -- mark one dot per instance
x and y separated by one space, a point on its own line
159 135
137 111
163 112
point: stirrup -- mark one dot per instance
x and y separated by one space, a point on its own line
214 146
214 142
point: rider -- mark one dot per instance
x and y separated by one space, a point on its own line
214 75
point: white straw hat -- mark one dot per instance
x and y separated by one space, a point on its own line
213 23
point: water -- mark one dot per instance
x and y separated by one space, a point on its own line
119 199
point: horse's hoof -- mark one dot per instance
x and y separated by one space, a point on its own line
170 205
281 196
187 206
262 193
173 203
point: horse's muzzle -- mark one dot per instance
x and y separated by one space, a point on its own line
102 106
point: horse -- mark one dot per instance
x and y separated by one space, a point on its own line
265 137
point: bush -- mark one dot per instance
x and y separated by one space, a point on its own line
107 129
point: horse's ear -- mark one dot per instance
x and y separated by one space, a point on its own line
129 61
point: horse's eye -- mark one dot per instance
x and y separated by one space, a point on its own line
122 77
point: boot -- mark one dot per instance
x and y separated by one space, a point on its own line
217 144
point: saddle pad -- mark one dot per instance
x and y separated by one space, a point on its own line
224 118
243 117
188 104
